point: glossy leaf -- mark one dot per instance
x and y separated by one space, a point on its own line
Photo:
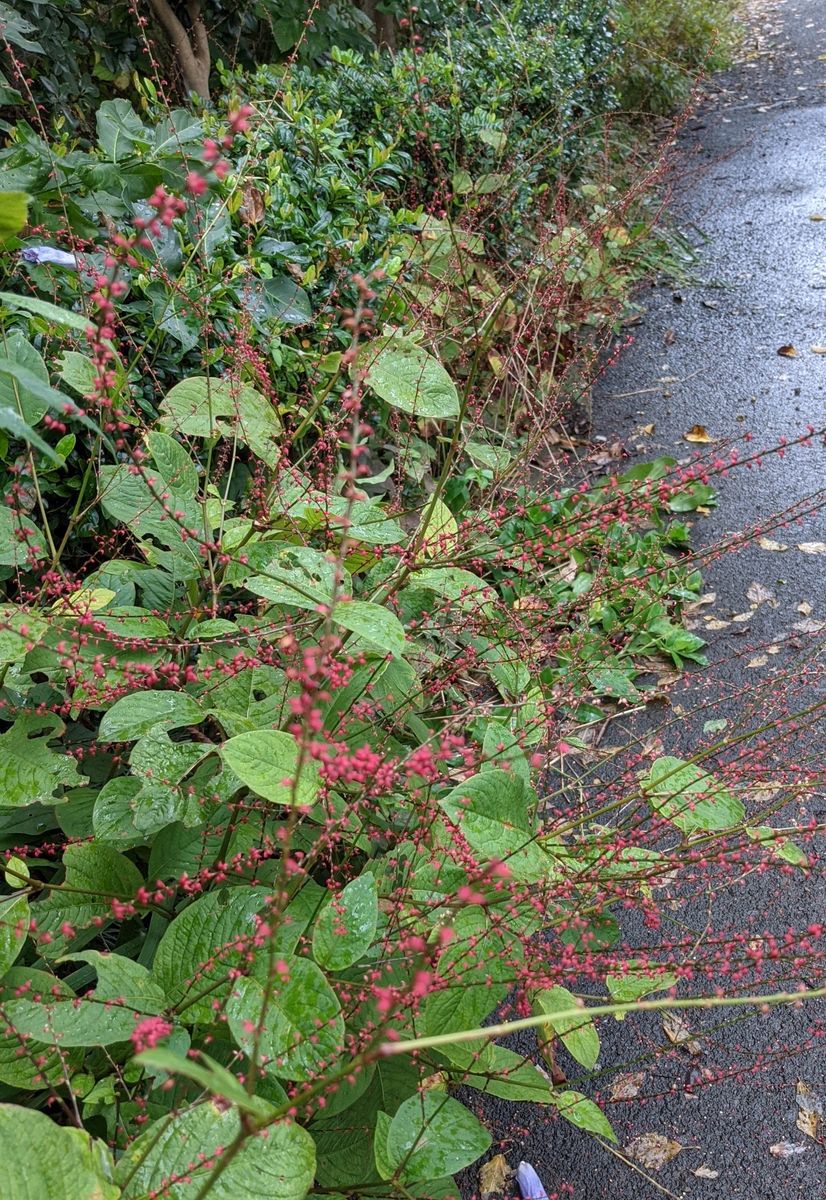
346 926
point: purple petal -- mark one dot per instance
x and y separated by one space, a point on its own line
530 1185
49 254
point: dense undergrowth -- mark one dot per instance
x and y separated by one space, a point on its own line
305 593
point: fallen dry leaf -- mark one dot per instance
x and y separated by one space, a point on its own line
759 660
818 349
769 544
626 1087
758 594
818 216
698 433
812 547
810 625
678 1031
653 1150
714 624
786 1149
706 1173
805 608
787 351
741 617
252 209
647 429
810 1109
493 1176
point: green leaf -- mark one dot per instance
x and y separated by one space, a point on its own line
46 1161
203 944
94 876
40 1065
491 809
14 929
38 396
121 978
21 542
277 1164
578 1034
373 623
583 1113
77 1021
277 299
14 209
31 772
120 130
208 1074
383 1164
296 575
508 1076
267 762
432 1135
407 377
49 312
302 1029
346 926
133 716
476 970
19 632
173 462
689 797
203 407
634 984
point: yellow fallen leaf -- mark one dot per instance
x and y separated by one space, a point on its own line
493 1176
769 544
818 216
741 617
698 433
759 660
805 607
812 547
809 1106
713 624
758 594
705 1172
787 351
653 1150
818 349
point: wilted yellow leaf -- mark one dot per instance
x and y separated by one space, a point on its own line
653 1150
698 433
812 547
493 1176
818 349
769 544
759 660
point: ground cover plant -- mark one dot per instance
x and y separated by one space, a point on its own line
308 628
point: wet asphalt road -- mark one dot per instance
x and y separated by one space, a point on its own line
748 176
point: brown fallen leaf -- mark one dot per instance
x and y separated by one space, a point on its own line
818 349
653 1150
786 1149
759 660
706 1173
758 594
769 544
715 624
493 1176
787 351
805 608
818 216
627 1086
252 209
812 547
647 430
810 625
678 1031
741 617
810 1109
698 433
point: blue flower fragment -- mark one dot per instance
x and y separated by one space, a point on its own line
530 1185
40 255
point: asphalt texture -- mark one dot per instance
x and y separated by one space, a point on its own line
747 178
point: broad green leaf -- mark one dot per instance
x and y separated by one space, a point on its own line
14 929
787 850
689 797
120 130
173 462
508 1076
442 530
13 395
373 623
578 1034
94 876
211 937
632 985
133 716
346 926
121 978
203 407
407 377
302 1030
37 396
33 1065
276 1164
151 507
19 632
296 575
46 1161
78 1021
31 772
491 809
267 762
476 970
21 542
49 312
431 1136
14 208
277 299
208 1074
583 1113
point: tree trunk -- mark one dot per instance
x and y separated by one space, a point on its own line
383 23
191 47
